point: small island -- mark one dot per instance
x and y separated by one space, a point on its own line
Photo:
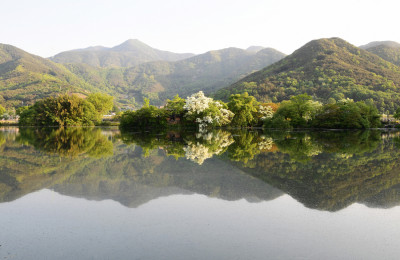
204 113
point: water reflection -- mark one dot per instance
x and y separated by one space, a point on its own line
72 141
323 170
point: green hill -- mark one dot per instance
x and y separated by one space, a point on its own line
159 80
25 78
326 69
389 51
129 53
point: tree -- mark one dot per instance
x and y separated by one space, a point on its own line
175 107
245 108
298 110
102 102
63 110
147 116
205 111
347 114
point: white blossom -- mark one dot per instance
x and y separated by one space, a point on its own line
266 112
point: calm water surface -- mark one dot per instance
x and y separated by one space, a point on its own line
100 194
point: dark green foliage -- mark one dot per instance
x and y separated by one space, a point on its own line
144 118
278 122
245 108
326 69
301 112
64 110
354 115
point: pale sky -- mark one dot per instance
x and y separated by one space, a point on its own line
47 27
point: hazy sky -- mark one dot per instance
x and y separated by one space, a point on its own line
46 27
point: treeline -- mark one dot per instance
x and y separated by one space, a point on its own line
244 110
66 110
201 112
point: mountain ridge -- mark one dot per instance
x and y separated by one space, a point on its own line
127 54
159 80
325 68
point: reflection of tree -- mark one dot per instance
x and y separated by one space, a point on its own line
352 167
302 146
171 142
245 147
196 147
205 145
68 141
127 176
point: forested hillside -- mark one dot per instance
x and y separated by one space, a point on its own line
159 80
25 78
329 70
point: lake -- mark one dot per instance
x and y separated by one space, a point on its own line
97 193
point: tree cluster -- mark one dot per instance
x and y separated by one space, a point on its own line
199 111
302 112
66 110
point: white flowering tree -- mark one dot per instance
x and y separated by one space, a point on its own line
206 112
265 112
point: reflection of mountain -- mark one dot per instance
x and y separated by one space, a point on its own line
349 167
128 176
322 170
133 185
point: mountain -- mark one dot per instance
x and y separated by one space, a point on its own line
255 48
159 80
387 50
129 53
379 43
326 69
25 77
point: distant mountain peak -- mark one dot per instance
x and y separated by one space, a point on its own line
130 53
391 44
387 50
255 48
131 45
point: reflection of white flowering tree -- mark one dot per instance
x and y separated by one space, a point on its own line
207 112
265 143
206 145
